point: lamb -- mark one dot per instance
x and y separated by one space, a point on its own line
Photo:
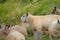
37 23
54 29
12 34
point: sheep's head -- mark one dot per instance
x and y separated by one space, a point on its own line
5 29
57 28
57 25
24 17
58 21
56 11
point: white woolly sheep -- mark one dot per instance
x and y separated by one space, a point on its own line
12 34
38 22
22 28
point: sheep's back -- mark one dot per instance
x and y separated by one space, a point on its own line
15 35
20 29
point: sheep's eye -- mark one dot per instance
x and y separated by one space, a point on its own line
23 16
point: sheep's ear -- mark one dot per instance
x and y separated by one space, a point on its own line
7 26
27 13
5 29
0 27
53 12
58 21
55 7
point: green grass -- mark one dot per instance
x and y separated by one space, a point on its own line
12 10
29 37
16 8
44 37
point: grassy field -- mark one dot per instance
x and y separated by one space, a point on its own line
12 10
16 8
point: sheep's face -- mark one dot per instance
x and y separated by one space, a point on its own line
57 30
58 25
5 29
24 17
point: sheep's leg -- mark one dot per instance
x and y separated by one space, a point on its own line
37 35
50 37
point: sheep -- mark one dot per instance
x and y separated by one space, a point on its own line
54 29
20 28
38 22
12 34
56 11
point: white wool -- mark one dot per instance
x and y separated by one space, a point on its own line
21 29
15 35
16 26
27 24
52 24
